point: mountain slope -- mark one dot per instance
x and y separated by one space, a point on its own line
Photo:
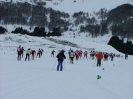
71 6
96 23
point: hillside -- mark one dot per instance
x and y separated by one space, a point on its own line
72 6
95 18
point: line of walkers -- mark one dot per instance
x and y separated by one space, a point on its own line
78 54
93 54
20 51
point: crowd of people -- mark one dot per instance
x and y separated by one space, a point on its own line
78 54
20 51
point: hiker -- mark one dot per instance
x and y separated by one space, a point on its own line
22 51
99 57
77 53
69 52
93 55
126 56
61 58
33 53
19 51
85 55
80 53
52 53
71 57
39 53
112 57
28 52
105 56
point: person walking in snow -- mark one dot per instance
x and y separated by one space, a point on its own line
33 53
52 53
61 58
19 51
28 52
86 55
106 56
112 57
126 56
99 57
22 51
71 57
80 52
77 54
69 51
39 53
93 55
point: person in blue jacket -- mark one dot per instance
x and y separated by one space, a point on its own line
61 58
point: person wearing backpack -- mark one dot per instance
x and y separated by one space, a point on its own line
28 52
85 55
71 57
22 51
61 58
33 53
126 56
80 52
77 54
99 57
39 53
52 53
19 51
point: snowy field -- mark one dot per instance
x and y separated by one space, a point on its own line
38 79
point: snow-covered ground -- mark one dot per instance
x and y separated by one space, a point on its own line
38 79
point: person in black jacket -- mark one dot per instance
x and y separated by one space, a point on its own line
60 57
22 52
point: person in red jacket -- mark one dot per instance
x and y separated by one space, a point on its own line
99 57
19 51
33 52
85 55
77 53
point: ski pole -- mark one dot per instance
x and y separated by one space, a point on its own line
64 65
54 65
94 62
102 61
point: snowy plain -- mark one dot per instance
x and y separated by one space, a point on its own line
38 79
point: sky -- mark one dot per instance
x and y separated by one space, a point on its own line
38 78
